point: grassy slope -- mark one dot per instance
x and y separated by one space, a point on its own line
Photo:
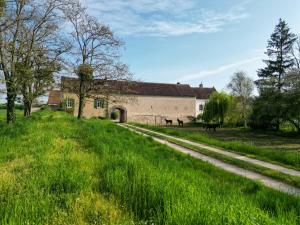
46 177
57 170
285 158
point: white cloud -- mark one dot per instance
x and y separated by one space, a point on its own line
141 6
163 17
216 71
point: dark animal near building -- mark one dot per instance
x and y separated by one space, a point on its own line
211 126
180 122
169 122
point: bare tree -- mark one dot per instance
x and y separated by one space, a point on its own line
41 50
2 3
242 87
96 51
27 32
296 53
14 14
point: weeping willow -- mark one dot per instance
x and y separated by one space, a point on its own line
216 108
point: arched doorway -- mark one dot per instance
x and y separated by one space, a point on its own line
118 114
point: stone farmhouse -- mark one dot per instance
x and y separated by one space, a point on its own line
142 102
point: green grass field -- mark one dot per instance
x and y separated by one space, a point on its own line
2 115
234 142
19 114
289 179
266 139
55 169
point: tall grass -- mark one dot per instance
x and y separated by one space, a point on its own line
160 186
47 178
286 158
55 169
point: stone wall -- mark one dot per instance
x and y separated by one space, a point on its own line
143 109
155 109
89 110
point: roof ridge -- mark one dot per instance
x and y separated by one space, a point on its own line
150 88
133 81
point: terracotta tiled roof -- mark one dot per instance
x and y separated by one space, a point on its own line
203 93
54 97
136 88
160 89
142 88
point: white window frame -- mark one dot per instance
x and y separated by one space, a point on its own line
99 103
69 103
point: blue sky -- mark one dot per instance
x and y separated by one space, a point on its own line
194 41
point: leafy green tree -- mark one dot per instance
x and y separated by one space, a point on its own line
216 108
264 112
292 99
234 115
270 106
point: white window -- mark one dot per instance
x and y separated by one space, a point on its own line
70 103
98 103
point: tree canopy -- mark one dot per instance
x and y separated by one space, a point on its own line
242 87
216 108
278 82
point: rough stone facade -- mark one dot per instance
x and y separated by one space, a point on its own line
141 102
141 109
89 110
155 109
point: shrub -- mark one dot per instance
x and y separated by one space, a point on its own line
44 107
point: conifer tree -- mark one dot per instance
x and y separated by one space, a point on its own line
272 79
280 59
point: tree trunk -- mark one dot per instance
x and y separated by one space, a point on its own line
245 123
26 100
10 111
244 116
27 108
81 105
81 99
277 125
